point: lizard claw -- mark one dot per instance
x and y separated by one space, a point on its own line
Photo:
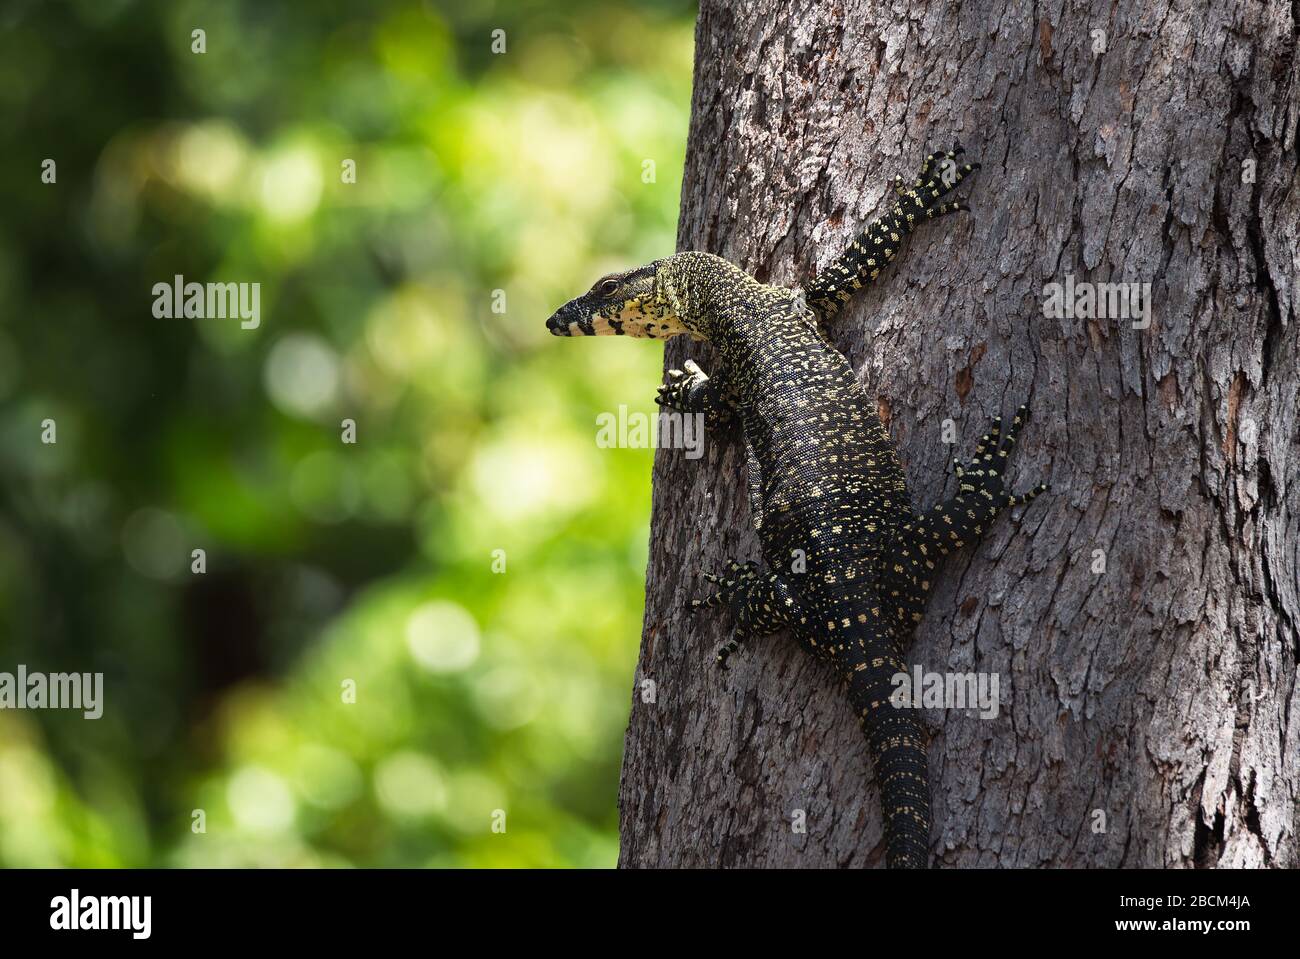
725 651
738 578
680 383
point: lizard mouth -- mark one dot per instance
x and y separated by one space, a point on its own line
565 322
559 326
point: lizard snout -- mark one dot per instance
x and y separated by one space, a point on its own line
562 322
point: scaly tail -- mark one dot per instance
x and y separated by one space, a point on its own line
896 739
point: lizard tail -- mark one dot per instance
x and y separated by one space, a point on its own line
898 749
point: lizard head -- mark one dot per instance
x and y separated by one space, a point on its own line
633 303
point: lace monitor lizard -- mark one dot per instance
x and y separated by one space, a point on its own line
825 482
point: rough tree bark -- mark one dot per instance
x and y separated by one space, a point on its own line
1161 691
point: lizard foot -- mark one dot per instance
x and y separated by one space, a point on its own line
762 604
736 582
984 474
940 174
675 394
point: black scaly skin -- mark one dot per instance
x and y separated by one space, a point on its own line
846 564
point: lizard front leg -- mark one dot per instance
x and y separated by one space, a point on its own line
919 546
691 390
872 251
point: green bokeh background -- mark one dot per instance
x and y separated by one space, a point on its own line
476 690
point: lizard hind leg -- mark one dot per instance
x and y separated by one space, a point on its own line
734 582
933 160
940 175
762 604
912 560
985 475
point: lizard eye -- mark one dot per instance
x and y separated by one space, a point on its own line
607 287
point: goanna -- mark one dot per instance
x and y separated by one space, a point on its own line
826 490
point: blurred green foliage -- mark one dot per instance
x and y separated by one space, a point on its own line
327 562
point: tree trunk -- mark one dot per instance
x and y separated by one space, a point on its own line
1142 615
